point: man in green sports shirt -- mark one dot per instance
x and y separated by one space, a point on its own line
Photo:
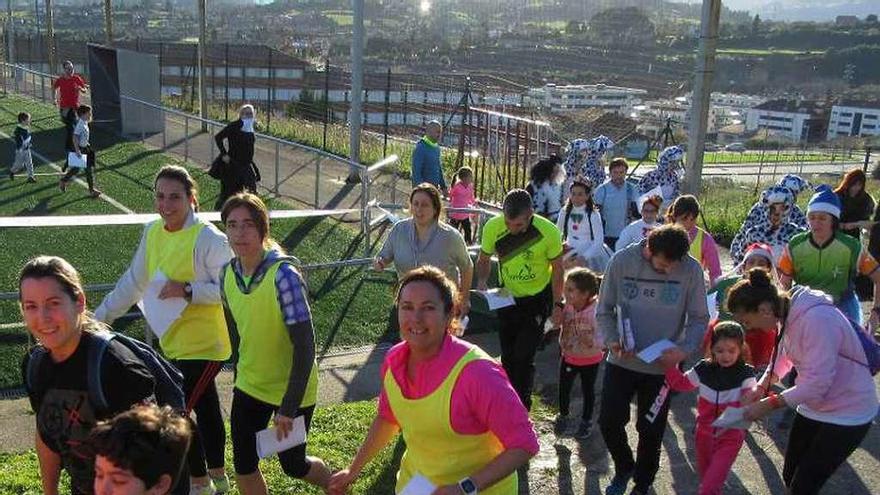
529 251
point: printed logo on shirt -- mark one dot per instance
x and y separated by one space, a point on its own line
669 294
524 274
630 289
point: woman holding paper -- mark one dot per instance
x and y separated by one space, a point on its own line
465 428
178 263
276 373
834 394
425 240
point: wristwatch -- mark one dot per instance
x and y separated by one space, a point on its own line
187 291
468 487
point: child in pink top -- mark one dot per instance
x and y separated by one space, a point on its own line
581 346
462 196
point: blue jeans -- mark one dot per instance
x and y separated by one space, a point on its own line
849 306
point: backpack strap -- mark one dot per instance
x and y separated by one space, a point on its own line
32 373
97 348
590 221
565 223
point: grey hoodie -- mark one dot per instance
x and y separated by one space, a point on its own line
659 306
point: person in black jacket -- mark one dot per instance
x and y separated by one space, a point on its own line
23 159
239 173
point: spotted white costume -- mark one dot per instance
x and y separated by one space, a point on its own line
667 176
585 159
757 227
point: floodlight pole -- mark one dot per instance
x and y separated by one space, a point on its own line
108 21
357 86
700 100
203 38
50 36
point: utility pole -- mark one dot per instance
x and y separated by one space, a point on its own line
108 22
203 39
50 36
357 86
10 35
700 100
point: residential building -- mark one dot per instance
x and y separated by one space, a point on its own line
854 118
566 98
795 120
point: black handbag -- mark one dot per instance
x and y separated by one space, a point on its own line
217 168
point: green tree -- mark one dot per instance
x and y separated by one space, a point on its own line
756 24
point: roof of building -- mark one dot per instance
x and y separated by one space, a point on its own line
592 122
858 104
810 107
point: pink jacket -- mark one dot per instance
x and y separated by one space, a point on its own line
482 398
461 196
709 250
580 340
832 386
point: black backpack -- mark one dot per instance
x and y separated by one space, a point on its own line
169 380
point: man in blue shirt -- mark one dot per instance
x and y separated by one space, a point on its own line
426 158
616 200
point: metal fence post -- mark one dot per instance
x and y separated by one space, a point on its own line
209 130
326 101
164 131
867 158
185 138
277 165
317 181
365 217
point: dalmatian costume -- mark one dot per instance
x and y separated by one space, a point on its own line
757 226
585 159
758 213
667 176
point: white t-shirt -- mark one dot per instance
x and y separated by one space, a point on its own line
633 233
81 133
584 234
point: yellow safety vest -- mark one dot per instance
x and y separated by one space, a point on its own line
200 332
433 449
696 249
265 354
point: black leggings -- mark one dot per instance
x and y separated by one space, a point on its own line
567 374
815 450
520 331
90 168
209 438
463 226
250 415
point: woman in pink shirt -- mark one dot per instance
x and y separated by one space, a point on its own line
834 395
465 428
684 211
462 196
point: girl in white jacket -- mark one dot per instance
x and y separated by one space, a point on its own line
581 227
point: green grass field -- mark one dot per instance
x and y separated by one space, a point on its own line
350 306
336 434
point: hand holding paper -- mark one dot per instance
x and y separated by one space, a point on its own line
655 350
732 417
268 442
497 298
75 160
160 313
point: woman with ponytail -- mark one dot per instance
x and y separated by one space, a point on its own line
834 395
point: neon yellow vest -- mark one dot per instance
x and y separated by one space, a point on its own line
265 354
200 332
696 249
433 448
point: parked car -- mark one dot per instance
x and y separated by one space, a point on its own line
737 147
712 147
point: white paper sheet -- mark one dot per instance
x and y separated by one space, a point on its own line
267 440
624 329
498 298
160 313
732 417
712 303
418 485
76 161
652 352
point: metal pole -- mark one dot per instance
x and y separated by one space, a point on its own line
108 22
357 87
50 36
10 35
277 165
185 138
705 72
867 158
270 93
203 39
326 101
387 105
226 75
